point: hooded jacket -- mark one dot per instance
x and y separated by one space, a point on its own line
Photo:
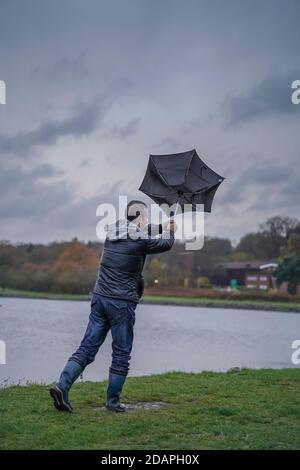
123 258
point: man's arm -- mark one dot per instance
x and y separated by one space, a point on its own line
154 229
164 242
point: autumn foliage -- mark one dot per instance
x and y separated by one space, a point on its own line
67 267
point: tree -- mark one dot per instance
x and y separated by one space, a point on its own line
292 246
203 283
271 239
255 245
76 268
153 271
277 231
289 271
280 226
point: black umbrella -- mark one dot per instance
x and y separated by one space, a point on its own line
181 178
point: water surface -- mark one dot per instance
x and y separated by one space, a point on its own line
41 334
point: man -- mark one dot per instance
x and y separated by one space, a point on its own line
117 291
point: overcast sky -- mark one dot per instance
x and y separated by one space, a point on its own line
94 87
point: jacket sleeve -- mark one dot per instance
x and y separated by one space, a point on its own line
159 245
154 229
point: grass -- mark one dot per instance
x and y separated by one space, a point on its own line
250 409
280 306
29 294
170 300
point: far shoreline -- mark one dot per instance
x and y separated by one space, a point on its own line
276 306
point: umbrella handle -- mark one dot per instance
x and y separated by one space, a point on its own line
173 214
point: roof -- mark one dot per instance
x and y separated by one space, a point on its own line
243 264
269 265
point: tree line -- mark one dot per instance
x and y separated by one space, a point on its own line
71 266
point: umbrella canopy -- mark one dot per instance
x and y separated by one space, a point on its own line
181 178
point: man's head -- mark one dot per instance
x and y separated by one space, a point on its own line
136 212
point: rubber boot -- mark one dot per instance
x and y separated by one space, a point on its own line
60 391
114 389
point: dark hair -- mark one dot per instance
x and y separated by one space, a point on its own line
132 217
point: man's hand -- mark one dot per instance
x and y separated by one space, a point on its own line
170 225
165 225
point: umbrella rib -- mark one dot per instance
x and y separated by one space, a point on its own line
187 170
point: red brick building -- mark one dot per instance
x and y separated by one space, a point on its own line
252 274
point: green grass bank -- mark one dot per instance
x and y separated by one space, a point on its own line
248 304
250 409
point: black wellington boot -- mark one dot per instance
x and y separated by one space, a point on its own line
114 389
59 392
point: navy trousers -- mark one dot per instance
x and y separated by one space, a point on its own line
115 315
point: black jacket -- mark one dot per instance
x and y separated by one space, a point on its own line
123 259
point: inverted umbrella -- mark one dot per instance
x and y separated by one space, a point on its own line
181 178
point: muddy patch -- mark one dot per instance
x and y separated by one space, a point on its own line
142 405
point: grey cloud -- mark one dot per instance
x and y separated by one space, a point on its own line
45 170
50 210
83 121
265 173
284 200
22 194
169 143
80 216
174 66
84 163
290 194
63 68
122 132
258 178
271 96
